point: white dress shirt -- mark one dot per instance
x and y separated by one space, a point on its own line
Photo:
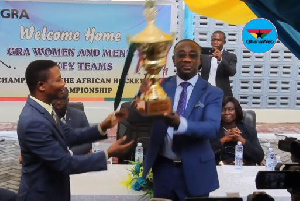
213 70
168 141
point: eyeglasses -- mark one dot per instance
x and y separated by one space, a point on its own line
192 55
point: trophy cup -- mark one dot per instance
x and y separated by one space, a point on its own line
153 46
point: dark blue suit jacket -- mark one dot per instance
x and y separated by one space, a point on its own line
226 69
47 162
76 118
203 114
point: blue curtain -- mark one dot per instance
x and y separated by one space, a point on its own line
188 23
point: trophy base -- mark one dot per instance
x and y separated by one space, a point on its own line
155 107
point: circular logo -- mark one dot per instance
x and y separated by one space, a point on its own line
259 35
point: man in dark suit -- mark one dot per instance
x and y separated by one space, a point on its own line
179 151
44 141
218 67
73 117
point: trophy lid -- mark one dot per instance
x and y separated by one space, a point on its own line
151 34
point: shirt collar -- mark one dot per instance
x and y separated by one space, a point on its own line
47 107
192 81
65 117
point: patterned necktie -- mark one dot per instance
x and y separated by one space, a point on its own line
183 98
55 117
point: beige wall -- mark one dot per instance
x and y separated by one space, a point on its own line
277 116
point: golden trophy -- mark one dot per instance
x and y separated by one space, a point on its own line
153 46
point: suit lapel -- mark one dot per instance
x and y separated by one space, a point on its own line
225 54
206 65
46 115
170 87
56 125
68 116
196 94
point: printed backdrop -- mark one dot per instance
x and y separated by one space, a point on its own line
88 40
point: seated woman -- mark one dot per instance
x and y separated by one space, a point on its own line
233 130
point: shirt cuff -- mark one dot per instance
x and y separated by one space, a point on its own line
101 131
182 128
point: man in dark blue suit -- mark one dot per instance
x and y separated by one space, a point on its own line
218 67
44 141
179 151
73 117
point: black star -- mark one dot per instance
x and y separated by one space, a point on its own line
259 34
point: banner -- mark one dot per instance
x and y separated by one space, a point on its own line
87 40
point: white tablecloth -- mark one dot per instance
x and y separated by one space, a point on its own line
106 185
243 182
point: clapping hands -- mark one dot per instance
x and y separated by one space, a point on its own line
233 134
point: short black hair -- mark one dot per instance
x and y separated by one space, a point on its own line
36 71
237 107
220 32
184 40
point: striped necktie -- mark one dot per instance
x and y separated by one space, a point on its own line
183 98
55 117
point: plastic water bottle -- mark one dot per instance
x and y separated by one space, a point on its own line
239 156
96 147
270 160
139 153
278 160
267 145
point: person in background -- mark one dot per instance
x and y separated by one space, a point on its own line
44 141
73 117
218 67
233 130
179 151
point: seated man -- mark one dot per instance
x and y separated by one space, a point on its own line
73 117
233 129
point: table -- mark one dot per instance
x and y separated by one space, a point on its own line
243 182
106 185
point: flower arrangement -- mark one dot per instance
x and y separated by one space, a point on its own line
136 181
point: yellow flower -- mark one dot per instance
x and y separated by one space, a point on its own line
136 182
127 182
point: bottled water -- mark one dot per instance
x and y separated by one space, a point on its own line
270 160
267 145
96 147
139 153
278 160
239 156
